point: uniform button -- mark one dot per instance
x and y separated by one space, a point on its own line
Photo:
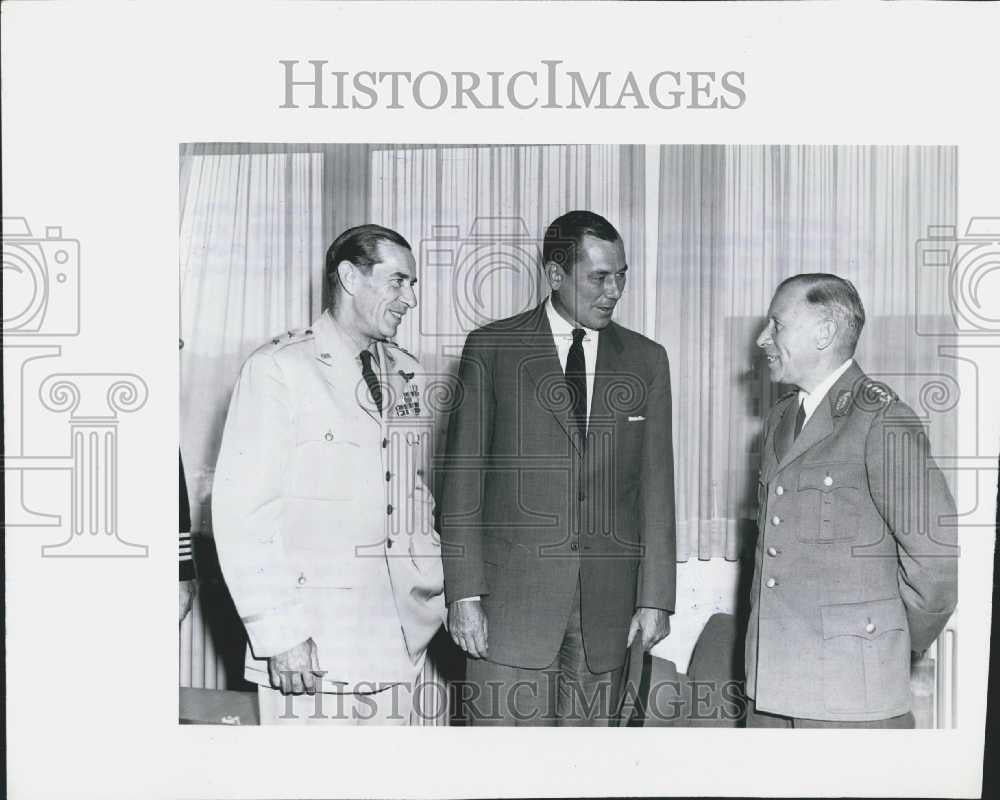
771 583
775 520
385 443
388 542
328 436
388 475
302 580
828 481
772 551
574 547
388 509
779 491
870 627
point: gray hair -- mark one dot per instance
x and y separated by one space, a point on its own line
838 297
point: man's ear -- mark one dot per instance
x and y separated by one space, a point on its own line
348 275
555 275
826 333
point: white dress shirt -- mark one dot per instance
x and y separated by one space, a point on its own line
811 400
562 333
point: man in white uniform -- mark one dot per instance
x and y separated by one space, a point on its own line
323 523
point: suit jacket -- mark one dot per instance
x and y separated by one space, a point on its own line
526 512
855 560
322 519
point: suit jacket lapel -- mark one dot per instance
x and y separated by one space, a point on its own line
541 364
609 351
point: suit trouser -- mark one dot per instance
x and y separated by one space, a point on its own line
763 719
566 693
390 706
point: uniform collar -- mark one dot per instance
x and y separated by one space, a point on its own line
811 400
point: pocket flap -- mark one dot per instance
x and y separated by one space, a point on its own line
828 477
868 620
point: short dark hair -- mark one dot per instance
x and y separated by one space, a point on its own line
564 236
838 297
358 245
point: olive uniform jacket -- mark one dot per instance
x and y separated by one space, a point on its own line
322 520
528 510
856 558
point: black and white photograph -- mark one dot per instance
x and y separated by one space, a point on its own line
568 435
618 366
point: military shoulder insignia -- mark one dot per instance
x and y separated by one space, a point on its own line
877 395
292 336
842 402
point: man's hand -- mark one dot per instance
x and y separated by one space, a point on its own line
187 591
467 625
654 624
296 670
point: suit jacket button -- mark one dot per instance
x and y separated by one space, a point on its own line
388 475
772 551
771 583
385 443
388 509
779 491
388 542
302 580
775 520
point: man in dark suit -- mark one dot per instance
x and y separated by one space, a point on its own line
856 561
558 494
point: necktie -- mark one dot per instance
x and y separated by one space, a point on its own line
800 419
576 381
374 389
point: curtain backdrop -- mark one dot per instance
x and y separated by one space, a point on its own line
736 221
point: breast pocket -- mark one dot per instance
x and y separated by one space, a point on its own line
324 468
829 498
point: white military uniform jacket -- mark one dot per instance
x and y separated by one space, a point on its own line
322 520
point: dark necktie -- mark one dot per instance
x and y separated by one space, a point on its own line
576 380
374 389
800 420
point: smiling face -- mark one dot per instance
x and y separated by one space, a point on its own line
589 292
793 338
380 298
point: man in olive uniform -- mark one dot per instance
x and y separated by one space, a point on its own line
322 520
856 560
